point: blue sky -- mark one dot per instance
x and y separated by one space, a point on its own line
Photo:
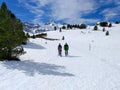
65 11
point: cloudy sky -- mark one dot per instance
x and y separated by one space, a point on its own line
65 11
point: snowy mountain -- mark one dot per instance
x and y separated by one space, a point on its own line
37 28
93 62
33 28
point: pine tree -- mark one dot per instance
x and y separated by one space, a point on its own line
107 33
104 24
117 22
110 25
63 27
83 26
103 29
27 35
55 28
11 35
60 30
95 28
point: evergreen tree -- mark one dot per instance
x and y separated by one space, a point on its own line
103 29
63 27
11 35
110 25
83 26
27 35
104 24
60 30
117 22
33 36
95 28
107 33
55 28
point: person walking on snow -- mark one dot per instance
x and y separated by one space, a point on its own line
60 49
66 48
63 38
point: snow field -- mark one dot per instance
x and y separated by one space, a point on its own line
93 63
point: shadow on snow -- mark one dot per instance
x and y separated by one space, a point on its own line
34 46
71 56
31 68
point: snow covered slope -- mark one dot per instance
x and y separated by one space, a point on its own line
93 63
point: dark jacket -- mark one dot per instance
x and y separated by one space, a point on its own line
66 47
59 47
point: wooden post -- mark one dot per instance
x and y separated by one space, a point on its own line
89 47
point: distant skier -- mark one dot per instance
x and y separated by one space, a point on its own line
66 48
63 38
60 49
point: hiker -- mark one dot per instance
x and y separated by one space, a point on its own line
63 38
66 48
60 49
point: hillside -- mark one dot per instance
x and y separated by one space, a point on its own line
93 62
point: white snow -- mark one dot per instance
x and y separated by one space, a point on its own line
93 63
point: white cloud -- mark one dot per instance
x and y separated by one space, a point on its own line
106 1
63 9
117 2
110 13
33 9
81 20
69 10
